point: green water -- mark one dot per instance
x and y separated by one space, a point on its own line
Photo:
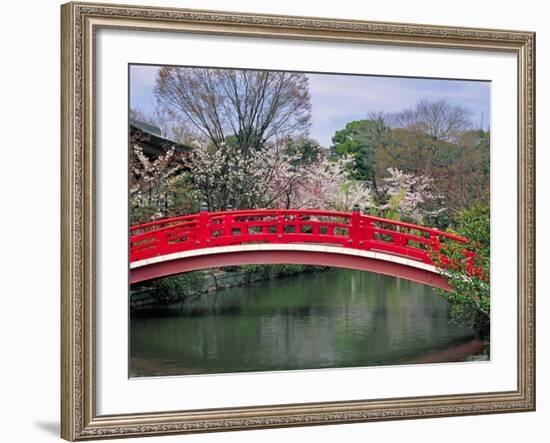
338 318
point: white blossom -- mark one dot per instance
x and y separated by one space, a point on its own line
409 194
322 184
152 181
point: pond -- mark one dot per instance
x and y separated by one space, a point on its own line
332 319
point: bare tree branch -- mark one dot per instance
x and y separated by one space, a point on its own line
256 107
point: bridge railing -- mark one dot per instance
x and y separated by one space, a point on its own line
344 229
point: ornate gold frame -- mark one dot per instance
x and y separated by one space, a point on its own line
79 420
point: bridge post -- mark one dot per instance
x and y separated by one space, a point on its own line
162 242
203 234
280 228
367 227
355 230
469 262
436 247
228 222
435 242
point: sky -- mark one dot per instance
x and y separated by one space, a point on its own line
337 99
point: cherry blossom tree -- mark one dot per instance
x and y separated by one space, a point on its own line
322 184
270 177
410 195
224 177
151 183
227 177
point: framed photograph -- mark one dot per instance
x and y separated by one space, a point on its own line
282 221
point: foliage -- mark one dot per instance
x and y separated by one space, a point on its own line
414 152
470 279
302 151
266 272
466 180
185 198
359 140
178 287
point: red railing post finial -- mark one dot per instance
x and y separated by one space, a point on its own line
367 226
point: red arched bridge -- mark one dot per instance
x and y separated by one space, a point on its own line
341 239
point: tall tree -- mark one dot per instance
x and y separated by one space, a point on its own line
438 119
359 140
467 179
254 107
414 152
303 151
